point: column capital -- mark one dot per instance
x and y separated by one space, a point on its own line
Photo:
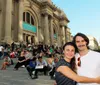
46 11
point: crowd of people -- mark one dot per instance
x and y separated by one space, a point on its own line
35 58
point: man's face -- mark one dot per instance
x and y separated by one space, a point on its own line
40 59
80 43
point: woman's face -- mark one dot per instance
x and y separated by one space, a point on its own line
69 51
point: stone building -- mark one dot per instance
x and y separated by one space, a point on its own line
33 21
93 44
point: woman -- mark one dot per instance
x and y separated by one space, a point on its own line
65 68
7 62
21 60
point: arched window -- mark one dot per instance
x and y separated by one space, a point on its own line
24 16
27 17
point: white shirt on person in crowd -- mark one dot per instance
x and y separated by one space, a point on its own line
44 63
28 55
1 47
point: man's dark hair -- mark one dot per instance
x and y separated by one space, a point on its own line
83 36
40 57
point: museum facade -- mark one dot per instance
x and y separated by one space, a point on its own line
33 21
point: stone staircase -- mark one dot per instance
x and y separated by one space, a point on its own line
21 77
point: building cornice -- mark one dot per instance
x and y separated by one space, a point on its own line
45 4
64 18
61 18
42 4
37 2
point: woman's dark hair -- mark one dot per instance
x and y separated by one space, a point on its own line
83 36
73 64
70 43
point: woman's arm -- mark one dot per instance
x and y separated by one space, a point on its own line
72 75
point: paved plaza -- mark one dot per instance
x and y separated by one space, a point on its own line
21 77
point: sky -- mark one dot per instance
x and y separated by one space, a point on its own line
84 16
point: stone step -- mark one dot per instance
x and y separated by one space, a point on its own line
21 77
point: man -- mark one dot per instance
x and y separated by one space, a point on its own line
41 66
87 61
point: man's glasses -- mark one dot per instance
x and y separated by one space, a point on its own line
79 61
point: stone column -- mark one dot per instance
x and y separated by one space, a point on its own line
8 19
46 30
29 39
63 33
52 32
59 38
20 21
39 34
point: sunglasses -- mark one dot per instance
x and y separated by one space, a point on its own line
79 61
